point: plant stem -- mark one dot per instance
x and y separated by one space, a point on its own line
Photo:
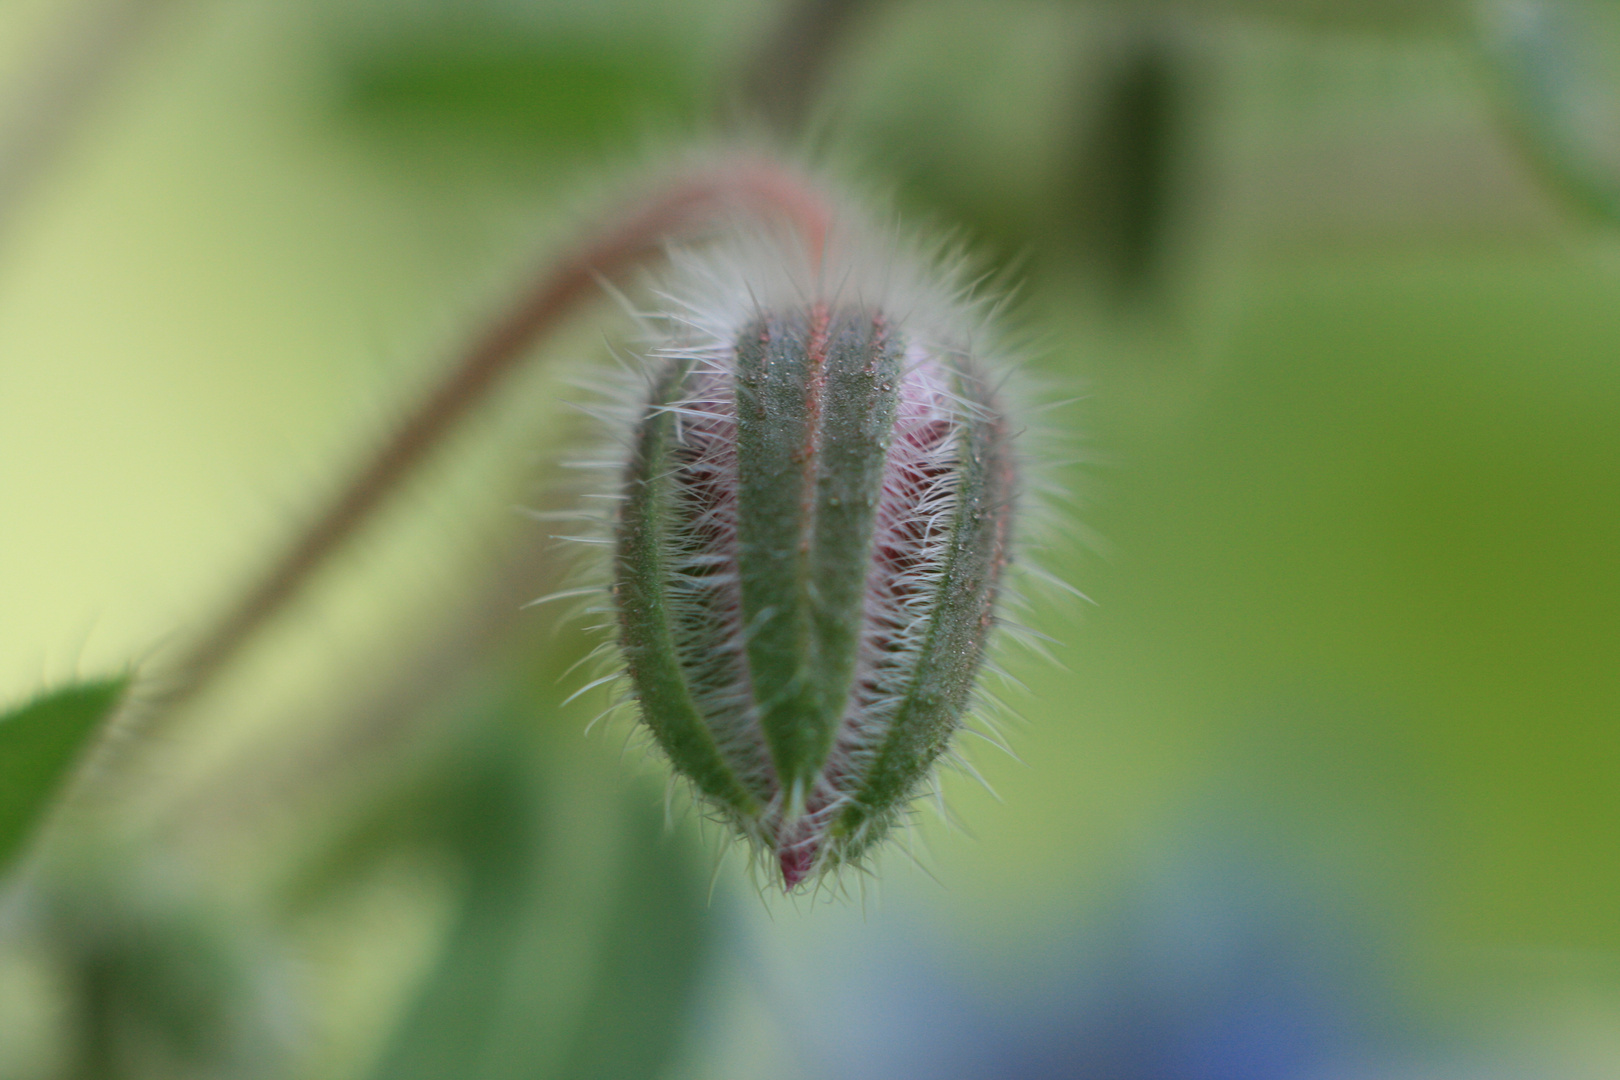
624 240
784 79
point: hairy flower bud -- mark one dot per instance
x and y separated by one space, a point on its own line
813 526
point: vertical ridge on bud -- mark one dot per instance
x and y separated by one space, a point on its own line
961 595
815 401
641 578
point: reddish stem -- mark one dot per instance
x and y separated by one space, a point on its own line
624 240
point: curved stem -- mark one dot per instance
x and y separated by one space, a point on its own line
784 79
620 243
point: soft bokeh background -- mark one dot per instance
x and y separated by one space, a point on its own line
1323 783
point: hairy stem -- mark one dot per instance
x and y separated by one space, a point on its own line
620 242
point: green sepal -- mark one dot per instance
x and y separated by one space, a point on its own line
641 577
816 399
941 686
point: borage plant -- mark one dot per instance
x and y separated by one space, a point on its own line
811 481
813 505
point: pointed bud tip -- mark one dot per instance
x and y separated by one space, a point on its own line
796 863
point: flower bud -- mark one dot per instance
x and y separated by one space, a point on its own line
814 522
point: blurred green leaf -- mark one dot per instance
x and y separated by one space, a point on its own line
39 743
547 91
485 1011
647 965
158 979
462 1023
1127 163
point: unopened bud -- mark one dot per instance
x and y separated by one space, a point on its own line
814 523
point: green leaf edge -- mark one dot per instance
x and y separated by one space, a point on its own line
41 741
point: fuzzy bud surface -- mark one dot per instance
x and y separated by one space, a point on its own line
813 525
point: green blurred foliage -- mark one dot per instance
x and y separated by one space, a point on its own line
1126 166
537 93
1397 16
146 978
487 1008
40 743
531 81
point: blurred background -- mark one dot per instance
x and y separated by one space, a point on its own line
1322 785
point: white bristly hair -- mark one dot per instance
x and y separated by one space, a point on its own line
697 309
